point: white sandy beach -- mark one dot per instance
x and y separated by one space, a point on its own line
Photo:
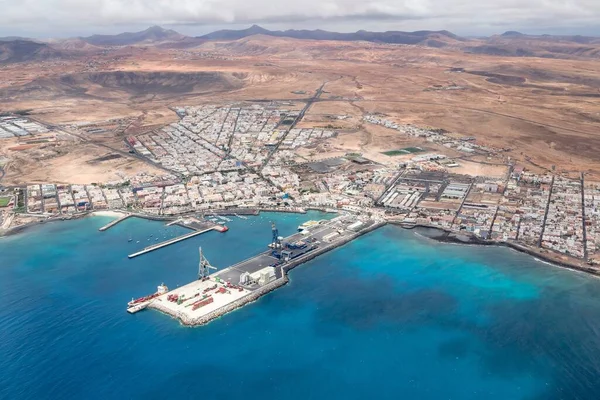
109 213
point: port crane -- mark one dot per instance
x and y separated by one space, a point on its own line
204 266
276 240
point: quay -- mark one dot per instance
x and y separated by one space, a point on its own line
160 245
203 300
114 222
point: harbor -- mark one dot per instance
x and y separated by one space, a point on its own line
218 228
114 222
216 292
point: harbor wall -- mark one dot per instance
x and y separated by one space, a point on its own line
258 293
321 250
233 212
284 210
204 319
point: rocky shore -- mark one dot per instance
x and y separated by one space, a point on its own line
446 236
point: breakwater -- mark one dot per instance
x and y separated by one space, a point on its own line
204 319
284 210
263 290
115 222
171 241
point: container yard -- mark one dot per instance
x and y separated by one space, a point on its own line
217 292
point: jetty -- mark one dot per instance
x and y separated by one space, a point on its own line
212 296
178 239
114 222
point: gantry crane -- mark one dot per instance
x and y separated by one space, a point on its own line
204 266
276 240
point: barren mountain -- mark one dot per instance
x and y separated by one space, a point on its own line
73 44
25 50
433 38
152 35
509 44
548 46
123 85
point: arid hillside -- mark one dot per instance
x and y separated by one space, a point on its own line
542 106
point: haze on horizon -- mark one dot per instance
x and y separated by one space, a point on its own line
66 18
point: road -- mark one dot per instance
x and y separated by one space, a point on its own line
585 249
309 103
541 239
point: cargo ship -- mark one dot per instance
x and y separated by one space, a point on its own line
139 304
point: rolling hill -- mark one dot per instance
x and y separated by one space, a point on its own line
152 35
15 51
427 38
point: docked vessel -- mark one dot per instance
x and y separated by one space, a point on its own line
136 305
307 225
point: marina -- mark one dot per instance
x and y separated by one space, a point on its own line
215 294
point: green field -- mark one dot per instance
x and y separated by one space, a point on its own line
4 201
401 152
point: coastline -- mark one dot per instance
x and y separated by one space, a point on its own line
446 236
21 228
152 217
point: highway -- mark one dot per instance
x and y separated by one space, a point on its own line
309 102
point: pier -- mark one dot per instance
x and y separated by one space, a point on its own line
178 239
203 300
114 222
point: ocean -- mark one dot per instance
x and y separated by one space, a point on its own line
391 315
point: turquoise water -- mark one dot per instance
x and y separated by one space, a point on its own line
391 315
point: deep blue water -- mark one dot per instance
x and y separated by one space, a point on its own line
389 316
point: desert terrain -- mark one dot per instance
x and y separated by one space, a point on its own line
541 107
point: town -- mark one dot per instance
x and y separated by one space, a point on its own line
247 157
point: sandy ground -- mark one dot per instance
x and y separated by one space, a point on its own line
550 120
476 169
113 214
71 164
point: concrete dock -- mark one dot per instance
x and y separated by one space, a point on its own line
232 293
113 223
160 245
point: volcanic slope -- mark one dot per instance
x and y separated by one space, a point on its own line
539 109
